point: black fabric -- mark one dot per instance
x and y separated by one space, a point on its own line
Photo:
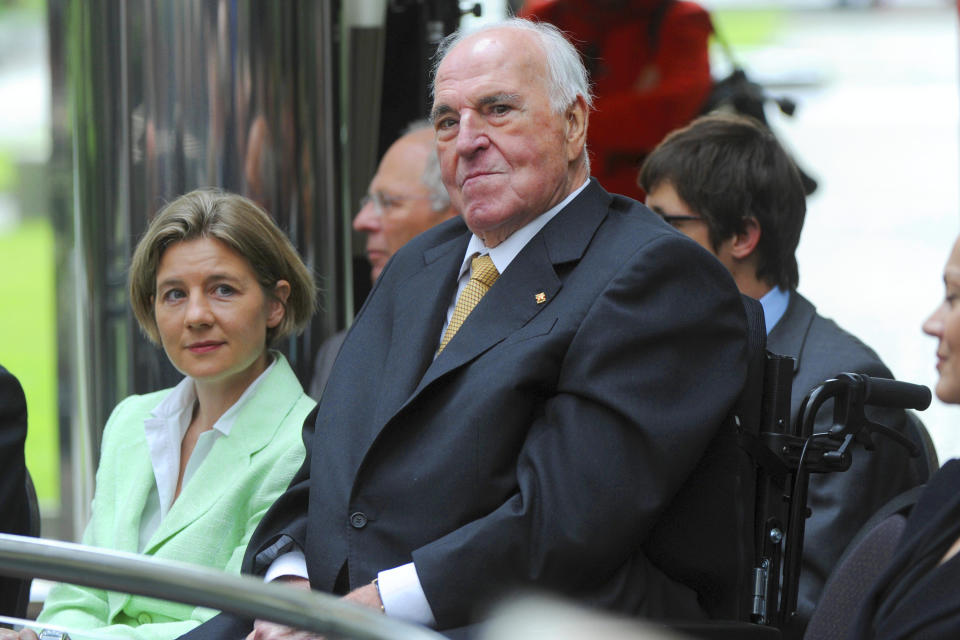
915 597
848 585
928 463
14 502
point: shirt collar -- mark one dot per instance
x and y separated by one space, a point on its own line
774 304
178 405
504 253
164 430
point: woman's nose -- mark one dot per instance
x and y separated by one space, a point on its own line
933 325
198 311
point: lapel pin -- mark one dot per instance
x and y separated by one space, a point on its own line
540 297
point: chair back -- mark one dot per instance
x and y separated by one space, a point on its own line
865 558
928 462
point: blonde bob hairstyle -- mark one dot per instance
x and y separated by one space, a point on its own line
241 225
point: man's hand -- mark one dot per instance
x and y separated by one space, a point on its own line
269 631
10 634
263 630
367 596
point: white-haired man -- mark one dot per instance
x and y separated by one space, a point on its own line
537 442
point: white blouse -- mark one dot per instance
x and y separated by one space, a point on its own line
164 429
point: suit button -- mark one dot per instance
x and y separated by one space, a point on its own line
144 618
358 520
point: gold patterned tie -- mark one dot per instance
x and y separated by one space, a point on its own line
483 274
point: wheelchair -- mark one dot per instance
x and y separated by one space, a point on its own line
776 460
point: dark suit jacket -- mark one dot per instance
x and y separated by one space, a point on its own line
14 512
323 363
841 502
543 444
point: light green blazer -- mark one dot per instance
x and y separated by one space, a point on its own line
211 520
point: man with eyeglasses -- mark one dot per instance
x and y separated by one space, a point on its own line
405 198
726 182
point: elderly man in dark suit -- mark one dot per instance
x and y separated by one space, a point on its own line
14 510
538 441
726 182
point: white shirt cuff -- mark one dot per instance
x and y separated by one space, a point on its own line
292 563
403 597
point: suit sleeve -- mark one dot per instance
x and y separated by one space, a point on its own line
76 606
13 435
284 526
654 367
14 512
273 481
80 608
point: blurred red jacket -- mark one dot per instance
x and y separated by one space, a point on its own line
650 67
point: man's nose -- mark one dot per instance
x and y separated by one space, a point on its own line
471 134
367 219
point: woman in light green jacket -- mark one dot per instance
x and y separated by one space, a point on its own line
186 473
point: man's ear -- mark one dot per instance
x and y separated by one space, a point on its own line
576 116
745 241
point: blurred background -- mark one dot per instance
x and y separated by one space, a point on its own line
94 137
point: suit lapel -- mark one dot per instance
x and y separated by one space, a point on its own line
131 495
228 458
790 334
528 285
510 304
230 455
422 302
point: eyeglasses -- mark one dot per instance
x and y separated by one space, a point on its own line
382 203
675 220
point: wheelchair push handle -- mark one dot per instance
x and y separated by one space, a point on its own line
883 392
853 392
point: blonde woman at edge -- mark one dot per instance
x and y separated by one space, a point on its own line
187 473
